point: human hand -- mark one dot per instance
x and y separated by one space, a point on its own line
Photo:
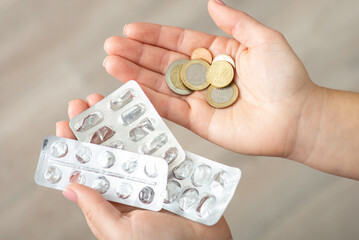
117 221
274 85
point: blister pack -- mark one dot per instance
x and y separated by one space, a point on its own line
200 189
126 119
120 176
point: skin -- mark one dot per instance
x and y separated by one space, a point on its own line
280 112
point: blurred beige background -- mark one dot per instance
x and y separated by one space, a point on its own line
52 51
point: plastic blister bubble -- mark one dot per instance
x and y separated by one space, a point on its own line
120 176
89 122
129 118
200 189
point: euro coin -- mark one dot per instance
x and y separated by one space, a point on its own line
224 57
222 97
194 74
173 78
220 74
202 53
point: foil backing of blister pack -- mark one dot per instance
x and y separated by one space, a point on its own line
127 120
120 176
200 189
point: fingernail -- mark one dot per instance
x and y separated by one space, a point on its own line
124 30
104 61
70 195
220 2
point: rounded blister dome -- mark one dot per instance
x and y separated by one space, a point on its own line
129 165
221 178
201 175
116 144
151 169
206 206
170 155
124 190
146 195
107 159
59 149
187 199
101 184
83 154
77 177
53 174
183 170
173 189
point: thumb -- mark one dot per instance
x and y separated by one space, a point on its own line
240 25
100 213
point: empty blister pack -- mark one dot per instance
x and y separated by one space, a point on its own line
120 176
126 119
200 189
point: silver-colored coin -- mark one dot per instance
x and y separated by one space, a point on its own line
173 78
222 97
224 57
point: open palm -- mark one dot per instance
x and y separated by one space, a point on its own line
273 83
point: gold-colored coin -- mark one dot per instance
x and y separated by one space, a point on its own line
173 78
222 97
224 57
194 74
202 53
220 74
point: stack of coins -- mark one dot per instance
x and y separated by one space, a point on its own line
201 72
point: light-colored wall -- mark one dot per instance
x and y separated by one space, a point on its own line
51 52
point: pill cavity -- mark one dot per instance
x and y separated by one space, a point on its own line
170 155
206 206
122 100
116 144
83 154
129 165
154 144
173 189
201 175
102 135
107 159
53 174
222 178
183 170
151 169
77 177
146 195
101 184
133 113
142 130
59 149
187 199
123 190
89 122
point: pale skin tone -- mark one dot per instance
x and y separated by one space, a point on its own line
280 112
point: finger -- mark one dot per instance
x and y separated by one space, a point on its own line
125 70
76 107
101 213
172 38
153 58
93 99
63 130
240 25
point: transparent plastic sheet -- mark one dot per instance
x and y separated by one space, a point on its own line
126 119
200 189
120 176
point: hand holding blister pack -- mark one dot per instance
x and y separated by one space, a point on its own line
120 176
126 119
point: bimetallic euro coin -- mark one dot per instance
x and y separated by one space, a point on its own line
220 74
202 53
194 74
222 97
224 57
173 78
